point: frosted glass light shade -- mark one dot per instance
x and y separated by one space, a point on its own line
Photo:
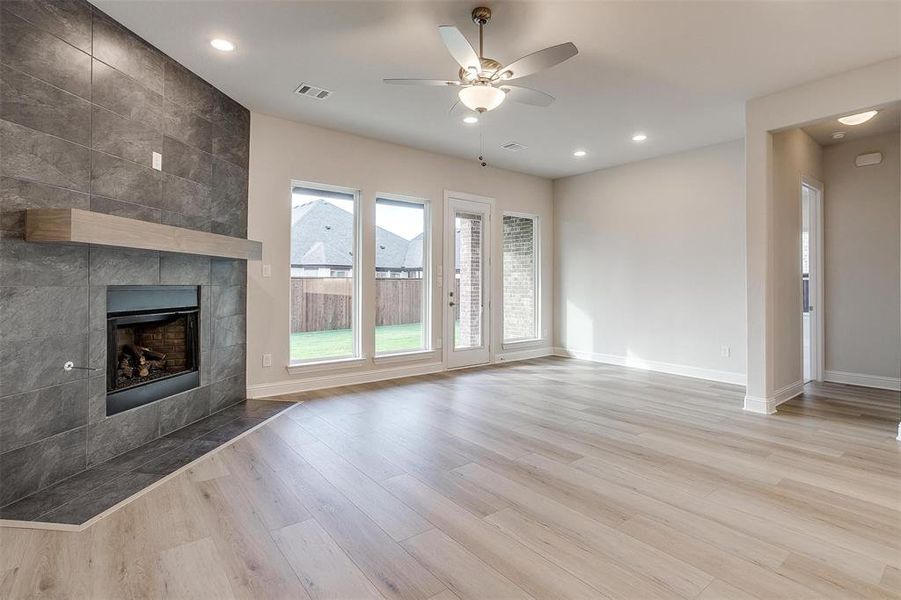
481 97
858 118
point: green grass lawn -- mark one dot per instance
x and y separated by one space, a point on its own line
339 342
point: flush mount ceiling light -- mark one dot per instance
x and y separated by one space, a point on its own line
470 120
858 118
639 137
579 153
222 45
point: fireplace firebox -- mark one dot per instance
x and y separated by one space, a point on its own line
153 344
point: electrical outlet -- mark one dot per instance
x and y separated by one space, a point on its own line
267 360
267 270
725 351
157 161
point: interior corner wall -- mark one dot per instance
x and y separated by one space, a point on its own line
282 151
795 156
651 263
862 207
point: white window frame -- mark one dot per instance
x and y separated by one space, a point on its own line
536 250
426 271
356 275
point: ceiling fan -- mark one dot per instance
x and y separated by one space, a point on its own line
483 81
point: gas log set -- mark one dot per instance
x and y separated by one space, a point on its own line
139 362
150 350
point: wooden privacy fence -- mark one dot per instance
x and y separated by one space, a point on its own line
321 303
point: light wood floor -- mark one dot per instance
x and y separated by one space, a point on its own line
544 479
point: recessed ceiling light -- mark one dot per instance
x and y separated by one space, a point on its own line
579 153
858 118
838 135
222 45
639 137
470 120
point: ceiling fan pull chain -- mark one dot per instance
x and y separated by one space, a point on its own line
481 142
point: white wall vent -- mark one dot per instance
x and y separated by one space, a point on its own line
868 160
305 89
514 146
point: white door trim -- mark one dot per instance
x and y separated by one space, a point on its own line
818 314
453 359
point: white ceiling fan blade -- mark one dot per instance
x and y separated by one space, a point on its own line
538 61
460 48
526 95
431 82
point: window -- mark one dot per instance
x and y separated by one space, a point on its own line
324 273
401 265
520 277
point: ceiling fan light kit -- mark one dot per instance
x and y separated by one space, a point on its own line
482 80
481 98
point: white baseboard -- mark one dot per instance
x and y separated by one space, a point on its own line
265 390
767 406
759 405
660 367
873 381
511 355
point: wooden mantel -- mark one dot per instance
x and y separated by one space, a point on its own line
75 226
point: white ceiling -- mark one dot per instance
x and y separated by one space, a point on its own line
679 71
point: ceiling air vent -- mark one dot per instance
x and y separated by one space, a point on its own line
305 89
513 146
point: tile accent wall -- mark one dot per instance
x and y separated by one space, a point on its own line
83 104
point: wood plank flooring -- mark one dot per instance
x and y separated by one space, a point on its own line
549 478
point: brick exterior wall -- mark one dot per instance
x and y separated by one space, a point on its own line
519 278
470 268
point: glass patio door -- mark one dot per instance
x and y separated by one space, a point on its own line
466 293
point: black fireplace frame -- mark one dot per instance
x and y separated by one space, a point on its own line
128 305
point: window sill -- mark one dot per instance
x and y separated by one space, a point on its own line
534 342
324 365
387 359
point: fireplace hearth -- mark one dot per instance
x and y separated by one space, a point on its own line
152 344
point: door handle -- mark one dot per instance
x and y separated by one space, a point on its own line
452 303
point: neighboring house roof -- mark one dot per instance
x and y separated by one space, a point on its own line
322 235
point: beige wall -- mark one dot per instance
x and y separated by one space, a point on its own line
282 151
863 274
651 264
795 156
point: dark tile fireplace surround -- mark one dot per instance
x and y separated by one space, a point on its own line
84 103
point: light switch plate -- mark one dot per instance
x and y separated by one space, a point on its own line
267 360
157 161
267 270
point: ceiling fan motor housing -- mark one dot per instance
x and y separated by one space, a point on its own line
489 68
